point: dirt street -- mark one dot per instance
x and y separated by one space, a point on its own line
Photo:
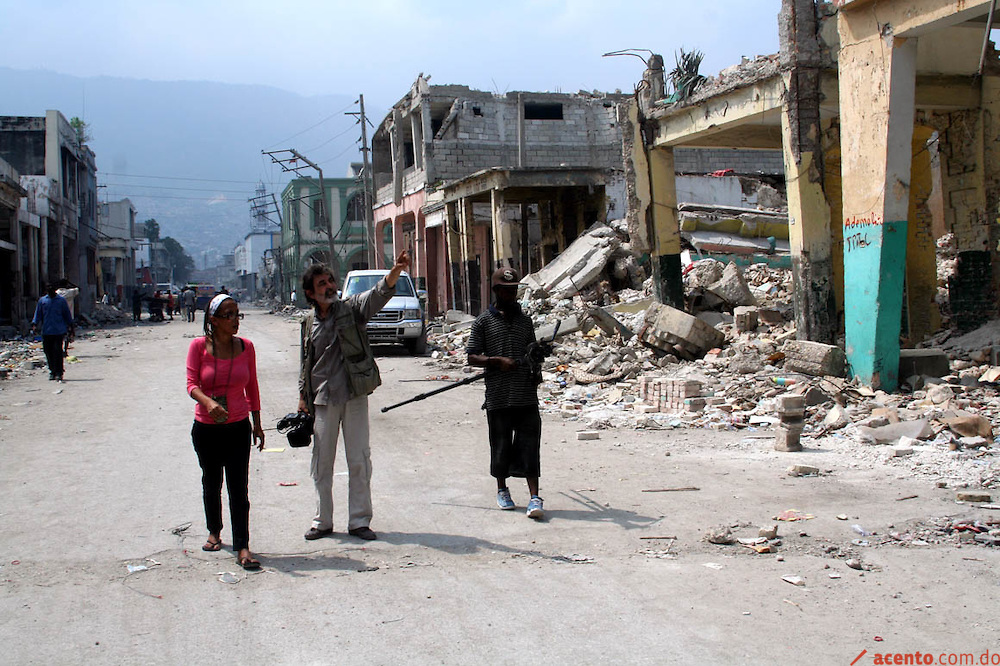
99 473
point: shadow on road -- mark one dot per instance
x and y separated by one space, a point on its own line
298 564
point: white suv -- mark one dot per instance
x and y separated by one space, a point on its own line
401 321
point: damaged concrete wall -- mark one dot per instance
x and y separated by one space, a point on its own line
484 133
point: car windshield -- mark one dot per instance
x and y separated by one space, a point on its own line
357 284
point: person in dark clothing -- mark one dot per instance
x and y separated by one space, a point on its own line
52 315
136 305
499 342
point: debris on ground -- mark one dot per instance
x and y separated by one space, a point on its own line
730 360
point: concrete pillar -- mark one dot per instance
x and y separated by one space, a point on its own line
470 269
922 315
833 187
397 157
420 267
379 242
505 239
524 233
802 144
453 245
427 139
417 130
808 209
665 255
877 88
990 115
521 141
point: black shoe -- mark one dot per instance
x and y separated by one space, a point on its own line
314 533
52 377
363 533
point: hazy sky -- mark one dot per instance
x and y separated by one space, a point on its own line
377 47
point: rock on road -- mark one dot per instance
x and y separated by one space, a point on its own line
98 474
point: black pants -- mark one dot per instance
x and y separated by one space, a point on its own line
53 347
515 438
225 447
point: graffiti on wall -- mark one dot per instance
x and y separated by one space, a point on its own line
856 229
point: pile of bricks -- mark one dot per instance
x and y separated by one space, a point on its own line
666 394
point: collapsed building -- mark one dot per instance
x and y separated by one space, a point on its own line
884 121
469 180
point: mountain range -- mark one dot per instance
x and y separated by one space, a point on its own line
188 153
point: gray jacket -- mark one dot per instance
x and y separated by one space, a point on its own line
350 319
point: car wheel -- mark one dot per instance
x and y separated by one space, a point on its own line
418 346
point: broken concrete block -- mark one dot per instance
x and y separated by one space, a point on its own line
917 429
602 364
745 318
970 425
704 272
768 532
694 404
900 450
790 403
992 375
668 328
890 414
815 358
733 288
969 496
815 396
570 324
787 439
585 435
803 470
720 535
715 319
456 316
836 418
609 324
577 266
931 362
939 393
770 316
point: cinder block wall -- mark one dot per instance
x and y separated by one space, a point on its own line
485 135
707 160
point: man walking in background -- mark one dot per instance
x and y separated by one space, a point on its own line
53 317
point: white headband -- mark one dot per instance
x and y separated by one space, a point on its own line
216 302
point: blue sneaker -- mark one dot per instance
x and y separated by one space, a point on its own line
535 507
504 501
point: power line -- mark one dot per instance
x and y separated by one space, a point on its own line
313 126
335 136
161 196
200 180
167 187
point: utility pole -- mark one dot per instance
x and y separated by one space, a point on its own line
288 164
261 209
367 183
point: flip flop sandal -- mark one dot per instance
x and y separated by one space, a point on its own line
212 546
249 563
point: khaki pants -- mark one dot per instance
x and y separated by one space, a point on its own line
352 418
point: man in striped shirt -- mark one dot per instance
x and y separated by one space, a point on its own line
499 342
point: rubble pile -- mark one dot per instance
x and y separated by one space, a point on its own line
104 314
622 360
947 264
20 356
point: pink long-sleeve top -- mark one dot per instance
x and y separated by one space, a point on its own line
235 378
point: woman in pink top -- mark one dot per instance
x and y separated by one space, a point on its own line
222 377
